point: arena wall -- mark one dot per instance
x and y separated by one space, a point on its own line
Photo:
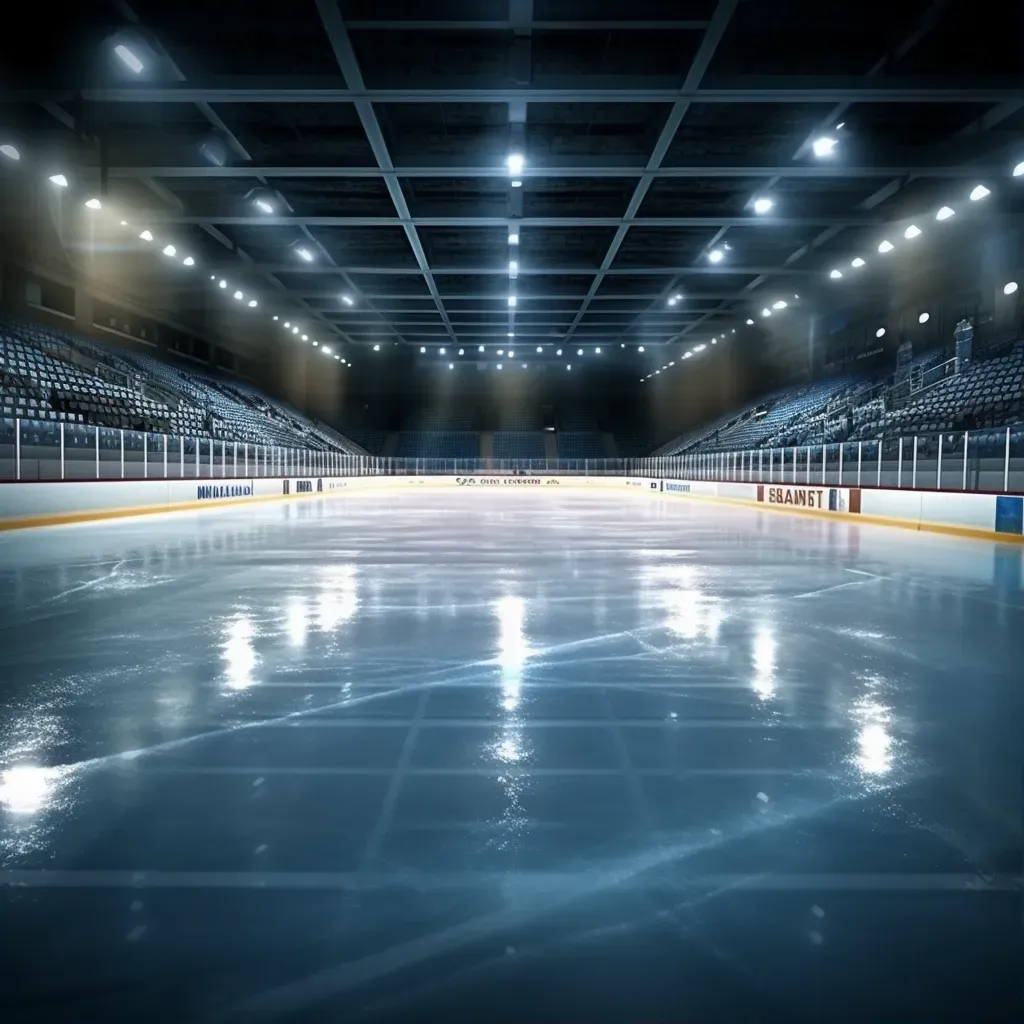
962 514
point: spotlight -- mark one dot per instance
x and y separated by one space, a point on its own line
640 348
672 301
295 329
146 236
460 351
823 146
568 366
304 254
423 349
441 351
287 324
93 204
945 213
59 180
539 349
886 246
979 192
326 350
274 317
912 232
512 300
498 366
749 322
516 183
1009 288
766 311
264 206
222 283
133 63
716 255
510 334
880 333
188 261
579 351
836 274
513 266
515 162
1017 171
513 238
781 304
923 318
11 152
239 296
252 303
480 348
169 250
857 262
763 204
376 348
511 354
597 351
451 366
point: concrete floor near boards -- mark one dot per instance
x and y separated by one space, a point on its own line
458 754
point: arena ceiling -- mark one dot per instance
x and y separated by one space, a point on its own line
331 150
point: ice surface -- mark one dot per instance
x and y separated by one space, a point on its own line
508 756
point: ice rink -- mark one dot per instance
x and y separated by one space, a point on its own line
465 755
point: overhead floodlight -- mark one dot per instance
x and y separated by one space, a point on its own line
857 262
287 324
253 303
763 204
460 352
295 330
423 349
59 180
515 163
539 349
511 354
516 183
326 350
239 296
558 352
714 341
687 355
451 366
524 365
979 192
880 333
579 351
512 300
780 304
147 236
823 146
750 322
513 238
480 348
93 204
376 348
923 318
9 151
501 351
263 205
348 300
133 63
836 274
169 250
498 366
188 261
223 284
886 246
766 311
716 255
696 348
336 356
510 334
1017 171
315 342
639 348
275 317
568 366
672 301
304 254
513 266
1009 288
945 213
912 232
597 351
656 372
124 223
441 351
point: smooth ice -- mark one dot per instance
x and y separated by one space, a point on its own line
460 755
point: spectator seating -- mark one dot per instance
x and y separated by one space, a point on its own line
632 444
518 444
581 445
438 444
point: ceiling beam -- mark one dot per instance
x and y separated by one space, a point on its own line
594 169
477 271
698 68
341 45
546 25
752 90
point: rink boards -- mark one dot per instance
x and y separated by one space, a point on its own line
962 514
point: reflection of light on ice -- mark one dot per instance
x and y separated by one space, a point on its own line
297 621
26 789
238 653
764 662
513 649
874 741
509 749
692 614
338 599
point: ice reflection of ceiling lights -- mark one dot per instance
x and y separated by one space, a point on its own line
297 621
764 662
27 789
874 754
238 653
513 649
338 598
509 749
692 614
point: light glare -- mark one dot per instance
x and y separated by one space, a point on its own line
945 213
886 246
11 152
912 232
823 146
1009 288
129 58
59 180
979 192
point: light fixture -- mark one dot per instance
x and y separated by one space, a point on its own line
169 250
239 296
539 349
287 324
460 352
639 348
516 183
59 180
568 366
923 318
315 342
451 366
714 341
423 348
1009 288
672 301
441 351
749 322
524 365
766 311
823 146
124 224
376 348
515 162
326 350
499 366
558 352
11 152
512 300
510 334
93 204
295 330
274 317
696 348
880 333
513 266
687 355
763 204
147 236
129 58
886 246
263 205
252 303
780 304
597 351
857 262
979 192
501 351
579 351
716 255
336 356
304 254
945 213
480 348
348 300
511 354
513 238
912 232
836 274
188 261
